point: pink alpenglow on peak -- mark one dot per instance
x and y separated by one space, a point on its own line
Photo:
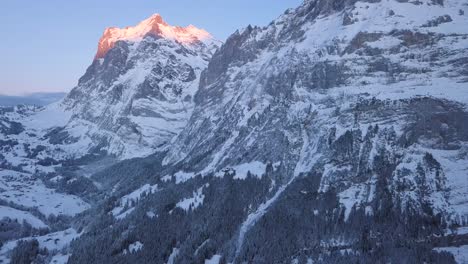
154 25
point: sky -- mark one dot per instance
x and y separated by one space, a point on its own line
47 45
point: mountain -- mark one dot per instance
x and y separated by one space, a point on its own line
336 134
139 89
39 99
133 99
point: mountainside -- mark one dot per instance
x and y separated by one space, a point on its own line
134 98
336 134
138 93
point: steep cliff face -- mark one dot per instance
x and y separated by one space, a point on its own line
324 72
136 96
138 93
317 135
387 52
153 26
336 134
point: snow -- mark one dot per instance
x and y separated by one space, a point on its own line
452 90
150 214
21 216
352 196
57 240
253 218
455 167
132 197
136 195
348 203
153 25
137 246
56 179
53 115
462 230
133 248
171 259
460 253
385 42
25 190
194 202
153 121
219 155
166 178
309 154
256 168
457 231
60 259
124 214
182 176
21 188
53 242
214 260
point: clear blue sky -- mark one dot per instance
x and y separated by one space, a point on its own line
46 45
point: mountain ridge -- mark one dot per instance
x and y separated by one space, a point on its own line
153 26
304 141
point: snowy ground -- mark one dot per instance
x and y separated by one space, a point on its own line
21 216
460 253
193 202
54 242
23 189
125 204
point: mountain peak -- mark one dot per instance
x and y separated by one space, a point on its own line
154 25
156 19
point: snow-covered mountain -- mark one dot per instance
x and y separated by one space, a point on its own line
272 82
133 99
336 134
332 85
138 93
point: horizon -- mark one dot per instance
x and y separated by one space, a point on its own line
49 46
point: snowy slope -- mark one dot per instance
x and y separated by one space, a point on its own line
340 88
138 93
304 141
134 98
20 216
28 191
291 83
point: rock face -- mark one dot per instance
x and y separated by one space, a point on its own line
137 95
336 134
139 89
353 115
154 26
134 98
271 80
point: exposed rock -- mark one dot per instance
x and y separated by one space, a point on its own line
437 21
